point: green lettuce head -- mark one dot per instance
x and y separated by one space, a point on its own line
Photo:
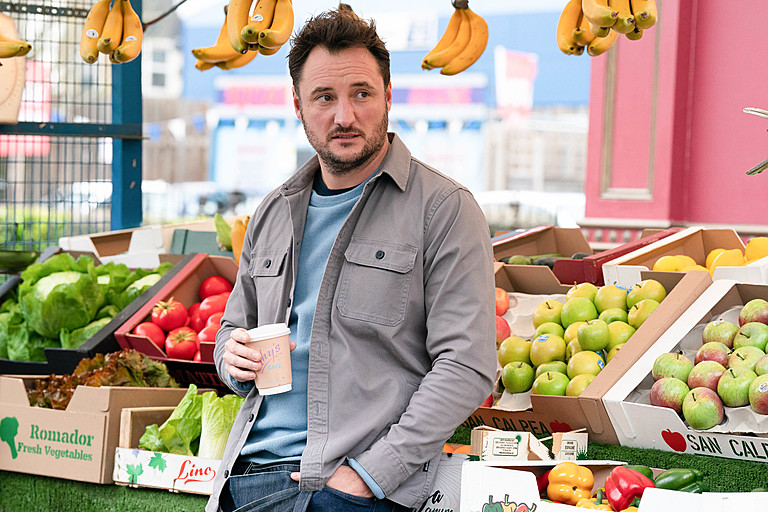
60 293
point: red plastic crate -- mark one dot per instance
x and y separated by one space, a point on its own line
184 288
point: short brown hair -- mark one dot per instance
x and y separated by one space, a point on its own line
337 30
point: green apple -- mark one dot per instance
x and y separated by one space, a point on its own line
702 408
610 296
640 311
517 377
647 289
758 394
585 361
733 386
552 366
551 328
572 330
550 383
572 348
594 335
612 352
578 384
585 290
578 309
761 367
546 348
753 334
547 311
513 349
745 356
611 315
619 333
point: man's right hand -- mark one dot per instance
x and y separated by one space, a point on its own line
242 362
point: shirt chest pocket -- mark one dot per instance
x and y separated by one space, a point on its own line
375 280
267 269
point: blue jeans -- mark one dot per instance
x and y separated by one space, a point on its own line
270 489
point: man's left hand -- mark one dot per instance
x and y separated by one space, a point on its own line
345 479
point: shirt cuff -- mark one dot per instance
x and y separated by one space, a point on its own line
368 479
241 386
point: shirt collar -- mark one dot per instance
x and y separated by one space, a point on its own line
397 164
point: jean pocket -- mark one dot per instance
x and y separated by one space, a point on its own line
343 501
280 500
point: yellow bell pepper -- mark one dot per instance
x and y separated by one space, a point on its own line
596 502
630 509
569 483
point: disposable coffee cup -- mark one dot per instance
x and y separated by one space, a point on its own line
271 341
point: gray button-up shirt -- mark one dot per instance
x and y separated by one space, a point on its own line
402 349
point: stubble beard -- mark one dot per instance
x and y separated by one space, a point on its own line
337 165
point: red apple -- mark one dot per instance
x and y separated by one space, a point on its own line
673 364
713 351
502 301
705 374
758 394
719 330
669 392
756 310
703 409
502 330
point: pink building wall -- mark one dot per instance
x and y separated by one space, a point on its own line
668 140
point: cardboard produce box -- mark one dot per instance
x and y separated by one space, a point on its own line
696 242
183 286
743 435
77 443
142 468
543 415
63 360
541 240
590 269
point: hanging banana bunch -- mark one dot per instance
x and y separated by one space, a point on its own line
595 25
115 31
221 54
462 43
10 45
264 29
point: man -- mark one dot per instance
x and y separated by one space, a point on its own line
382 268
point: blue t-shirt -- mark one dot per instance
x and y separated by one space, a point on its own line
279 432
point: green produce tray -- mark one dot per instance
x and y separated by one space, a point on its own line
63 360
187 241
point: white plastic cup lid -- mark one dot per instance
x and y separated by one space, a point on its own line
265 332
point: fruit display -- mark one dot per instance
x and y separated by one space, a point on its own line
247 32
571 338
756 248
595 25
178 330
462 43
114 30
724 373
10 45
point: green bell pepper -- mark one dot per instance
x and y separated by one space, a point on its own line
642 469
681 479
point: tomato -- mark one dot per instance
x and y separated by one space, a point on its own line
215 318
151 331
193 309
214 285
195 322
208 333
197 357
169 315
181 343
213 304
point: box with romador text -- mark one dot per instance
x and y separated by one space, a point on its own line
77 443
543 415
742 433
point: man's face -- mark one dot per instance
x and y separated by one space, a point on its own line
343 105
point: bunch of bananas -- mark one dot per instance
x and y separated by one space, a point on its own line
596 24
461 44
10 46
246 33
116 31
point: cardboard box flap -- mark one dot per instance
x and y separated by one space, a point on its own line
533 279
13 391
541 240
90 398
135 420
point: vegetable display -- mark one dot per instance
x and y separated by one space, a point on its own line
124 368
199 425
63 301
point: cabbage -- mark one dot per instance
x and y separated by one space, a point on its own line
141 281
218 417
60 293
73 339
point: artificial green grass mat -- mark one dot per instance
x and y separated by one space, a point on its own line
720 474
20 492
